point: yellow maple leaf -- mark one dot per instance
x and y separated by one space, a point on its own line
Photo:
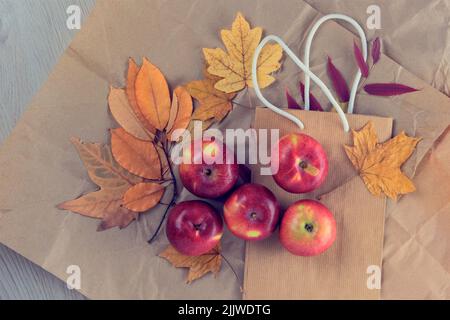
235 65
379 164
198 265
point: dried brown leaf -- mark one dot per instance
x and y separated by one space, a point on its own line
213 104
152 95
180 112
143 196
133 70
198 265
113 180
125 116
137 156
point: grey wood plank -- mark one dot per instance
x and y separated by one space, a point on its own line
22 279
33 35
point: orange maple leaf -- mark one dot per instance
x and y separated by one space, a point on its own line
214 105
198 265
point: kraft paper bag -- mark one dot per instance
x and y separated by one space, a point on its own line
341 272
40 168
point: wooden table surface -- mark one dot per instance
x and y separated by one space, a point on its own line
33 35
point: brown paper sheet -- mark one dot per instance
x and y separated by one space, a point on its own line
39 168
341 272
416 250
415 33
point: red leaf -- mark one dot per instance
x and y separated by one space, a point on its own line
360 60
291 102
339 83
376 50
314 104
387 89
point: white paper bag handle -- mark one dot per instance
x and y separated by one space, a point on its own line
362 36
306 70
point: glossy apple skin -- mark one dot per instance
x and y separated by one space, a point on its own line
194 227
205 179
302 163
308 228
252 212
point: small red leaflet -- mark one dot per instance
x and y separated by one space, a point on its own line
313 102
291 102
376 50
339 83
360 60
387 89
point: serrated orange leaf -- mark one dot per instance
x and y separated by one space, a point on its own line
143 196
180 111
113 180
125 116
213 104
133 70
379 164
152 95
198 265
137 156
234 66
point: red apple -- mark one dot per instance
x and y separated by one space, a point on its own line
204 178
308 228
302 163
252 212
194 227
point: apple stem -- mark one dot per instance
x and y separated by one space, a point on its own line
232 269
174 194
303 164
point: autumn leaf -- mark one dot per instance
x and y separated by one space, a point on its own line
291 102
125 116
234 66
338 81
137 156
143 196
173 112
387 89
213 104
362 64
376 50
113 180
132 73
313 102
204 125
198 265
152 95
379 164
180 111
103 204
119 217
